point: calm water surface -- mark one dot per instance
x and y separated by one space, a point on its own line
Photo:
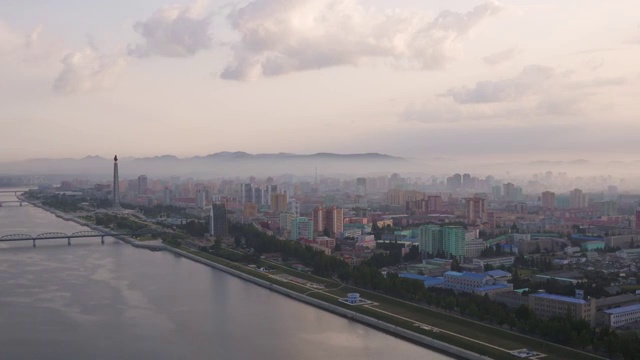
90 301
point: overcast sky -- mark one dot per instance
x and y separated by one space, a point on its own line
528 79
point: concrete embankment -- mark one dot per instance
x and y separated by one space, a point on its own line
421 339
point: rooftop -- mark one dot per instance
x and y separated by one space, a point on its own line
498 273
560 298
492 287
467 274
623 309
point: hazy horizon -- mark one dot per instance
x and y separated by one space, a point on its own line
475 81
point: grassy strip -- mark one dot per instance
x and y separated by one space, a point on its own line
478 331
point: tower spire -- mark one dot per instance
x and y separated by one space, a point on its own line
116 184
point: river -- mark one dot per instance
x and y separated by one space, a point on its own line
113 301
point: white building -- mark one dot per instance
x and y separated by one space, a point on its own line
473 248
621 316
496 261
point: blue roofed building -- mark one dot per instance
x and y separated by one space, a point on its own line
546 305
621 316
477 283
429 281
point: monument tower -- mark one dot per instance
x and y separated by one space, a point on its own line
116 184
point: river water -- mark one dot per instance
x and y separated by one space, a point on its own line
113 301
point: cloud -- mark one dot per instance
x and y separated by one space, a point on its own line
174 31
532 79
536 93
501 56
26 48
88 70
278 37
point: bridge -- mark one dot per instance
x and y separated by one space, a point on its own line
12 202
75 235
14 192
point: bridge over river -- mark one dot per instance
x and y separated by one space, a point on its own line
75 235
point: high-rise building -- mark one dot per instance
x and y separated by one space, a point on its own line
434 204
269 191
466 181
319 223
476 209
334 220
361 186
430 239
302 228
143 184
279 202
167 196
577 199
453 241
509 192
116 184
454 182
450 240
548 200
218 226
258 196
201 198
637 218
496 191
246 193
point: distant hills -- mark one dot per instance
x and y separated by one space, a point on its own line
217 164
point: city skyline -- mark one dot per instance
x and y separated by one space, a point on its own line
470 79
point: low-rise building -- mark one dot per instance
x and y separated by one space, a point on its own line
495 261
546 305
617 317
592 245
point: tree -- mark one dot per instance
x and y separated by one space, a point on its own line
237 241
326 232
337 248
217 244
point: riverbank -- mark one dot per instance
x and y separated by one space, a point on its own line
452 335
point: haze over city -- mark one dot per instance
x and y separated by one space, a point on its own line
464 81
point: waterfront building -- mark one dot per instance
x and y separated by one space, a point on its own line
115 196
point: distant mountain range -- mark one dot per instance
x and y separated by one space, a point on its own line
217 164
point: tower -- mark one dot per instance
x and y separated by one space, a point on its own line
116 183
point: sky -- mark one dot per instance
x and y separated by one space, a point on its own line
463 79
